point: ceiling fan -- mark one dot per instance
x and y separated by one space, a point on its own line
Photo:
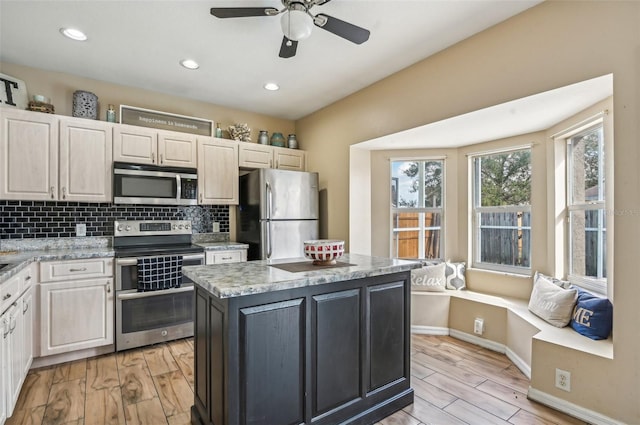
297 22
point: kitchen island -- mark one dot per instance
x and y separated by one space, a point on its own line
286 342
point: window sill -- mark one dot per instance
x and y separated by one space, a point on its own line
526 274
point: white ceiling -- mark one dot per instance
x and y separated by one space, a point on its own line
139 44
521 116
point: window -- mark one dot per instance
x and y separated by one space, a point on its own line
586 214
416 209
502 211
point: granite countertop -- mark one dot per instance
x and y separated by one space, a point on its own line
19 260
222 246
254 277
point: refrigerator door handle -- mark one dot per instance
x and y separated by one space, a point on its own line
269 205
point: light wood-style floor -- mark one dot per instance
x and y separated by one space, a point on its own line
454 382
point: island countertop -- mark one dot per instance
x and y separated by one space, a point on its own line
255 277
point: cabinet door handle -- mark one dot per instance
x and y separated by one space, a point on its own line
83 269
153 157
52 190
271 163
276 163
108 287
201 198
25 307
12 325
5 329
27 277
6 297
64 192
161 159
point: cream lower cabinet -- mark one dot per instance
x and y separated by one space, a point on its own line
253 155
76 305
49 158
217 171
226 256
16 341
141 145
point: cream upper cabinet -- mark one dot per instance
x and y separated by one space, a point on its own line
85 160
28 155
177 149
141 145
217 171
48 157
253 155
289 159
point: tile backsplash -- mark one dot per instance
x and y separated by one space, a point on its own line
38 219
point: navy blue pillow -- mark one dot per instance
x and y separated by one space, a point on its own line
592 315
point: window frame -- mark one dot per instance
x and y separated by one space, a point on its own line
477 210
422 211
595 284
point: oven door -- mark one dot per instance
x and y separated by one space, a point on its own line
144 318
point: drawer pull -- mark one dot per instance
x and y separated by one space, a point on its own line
83 269
28 277
227 258
6 297
25 307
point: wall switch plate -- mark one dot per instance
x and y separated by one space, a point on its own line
81 229
216 227
563 380
478 326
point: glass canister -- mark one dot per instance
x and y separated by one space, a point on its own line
277 139
292 142
111 114
263 137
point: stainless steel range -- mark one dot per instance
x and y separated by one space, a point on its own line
154 302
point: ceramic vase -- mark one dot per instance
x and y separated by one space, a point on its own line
85 105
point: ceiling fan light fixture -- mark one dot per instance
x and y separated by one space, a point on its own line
296 24
271 86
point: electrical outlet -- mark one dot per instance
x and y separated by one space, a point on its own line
216 227
478 326
563 380
81 229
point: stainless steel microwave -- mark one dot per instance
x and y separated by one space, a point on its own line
150 184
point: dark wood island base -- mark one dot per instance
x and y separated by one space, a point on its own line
326 353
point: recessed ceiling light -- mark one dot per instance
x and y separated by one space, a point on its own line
189 64
73 34
272 86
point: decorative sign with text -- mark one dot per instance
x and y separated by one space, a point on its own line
13 92
164 121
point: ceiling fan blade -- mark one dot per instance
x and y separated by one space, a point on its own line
288 48
242 12
341 28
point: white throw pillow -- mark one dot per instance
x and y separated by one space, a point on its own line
454 273
551 302
429 278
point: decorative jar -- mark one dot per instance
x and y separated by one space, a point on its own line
263 137
277 139
292 142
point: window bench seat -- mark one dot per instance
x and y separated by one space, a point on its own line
509 326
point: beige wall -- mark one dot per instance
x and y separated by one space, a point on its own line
59 88
551 45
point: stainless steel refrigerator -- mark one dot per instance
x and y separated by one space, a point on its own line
278 211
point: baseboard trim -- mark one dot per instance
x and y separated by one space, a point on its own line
482 342
429 330
518 362
569 408
54 359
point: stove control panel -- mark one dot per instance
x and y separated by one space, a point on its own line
151 228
